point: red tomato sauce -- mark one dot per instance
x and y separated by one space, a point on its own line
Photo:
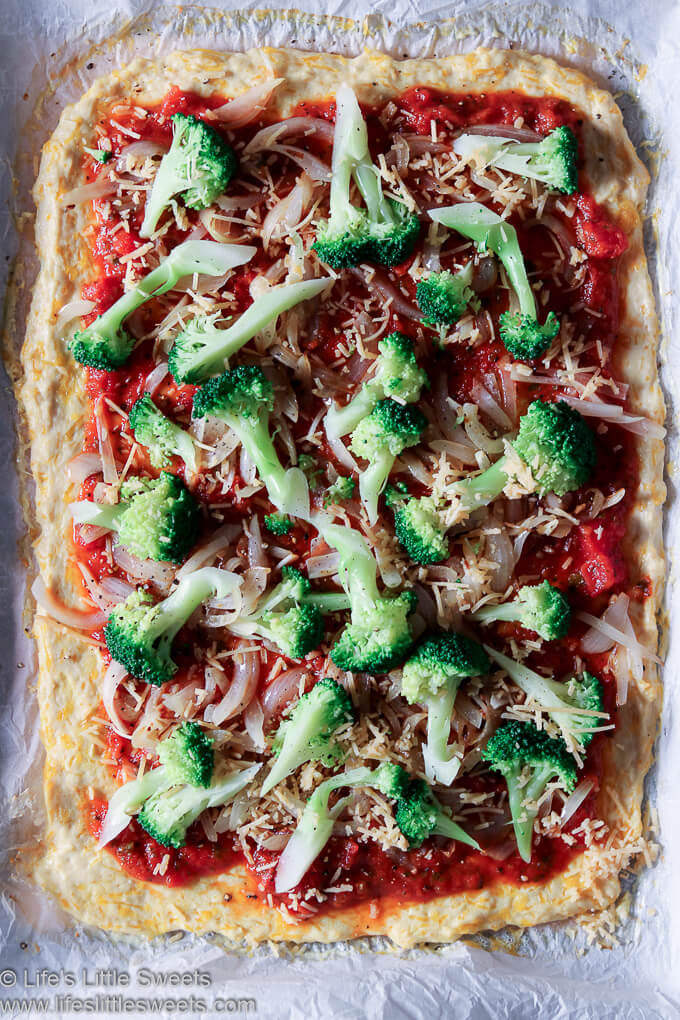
588 562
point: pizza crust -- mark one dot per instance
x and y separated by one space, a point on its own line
90 884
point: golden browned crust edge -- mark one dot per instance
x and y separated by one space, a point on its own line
89 884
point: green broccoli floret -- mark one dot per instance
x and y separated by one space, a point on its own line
161 436
285 617
431 677
378 636
307 733
385 231
419 815
167 814
183 782
443 297
554 441
420 528
551 161
311 469
315 825
105 344
198 166
522 334
98 155
528 759
188 755
139 634
379 438
244 398
202 349
278 524
575 705
539 607
156 519
396 375
341 490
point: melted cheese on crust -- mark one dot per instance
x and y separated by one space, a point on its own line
90 884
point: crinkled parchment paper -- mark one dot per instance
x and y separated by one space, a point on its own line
50 51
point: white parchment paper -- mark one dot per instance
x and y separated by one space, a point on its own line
50 51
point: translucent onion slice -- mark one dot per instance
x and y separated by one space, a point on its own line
247 107
100 188
114 676
282 690
245 678
53 607
575 799
73 310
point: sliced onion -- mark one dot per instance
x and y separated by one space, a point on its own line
100 188
311 164
155 378
616 614
477 434
508 389
398 303
484 274
253 720
160 574
341 453
114 676
613 413
469 711
325 565
82 466
141 148
499 550
247 107
109 469
205 554
290 128
54 608
490 406
73 310
245 678
575 799
628 641
109 592
282 690
557 228
256 554
504 131
285 216
432 249
230 203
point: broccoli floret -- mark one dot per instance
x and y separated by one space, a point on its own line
378 636
396 375
385 231
528 759
278 524
307 733
341 489
522 334
285 618
554 441
379 438
183 782
198 166
539 607
98 155
551 161
105 344
139 634
315 825
443 297
162 437
167 814
311 469
203 349
420 529
188 755
575 705
244 398
431 677
156 519
419 815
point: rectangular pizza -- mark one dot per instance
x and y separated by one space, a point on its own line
340 385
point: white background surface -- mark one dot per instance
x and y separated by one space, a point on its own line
638 54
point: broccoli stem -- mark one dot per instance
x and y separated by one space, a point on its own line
441 764
329 602
535 686
357 570
128 799
315 828
350 146
445 826
523 817
340 421
191 592
483 489
100 514
287 489
372 481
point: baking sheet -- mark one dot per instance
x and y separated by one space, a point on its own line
64 45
